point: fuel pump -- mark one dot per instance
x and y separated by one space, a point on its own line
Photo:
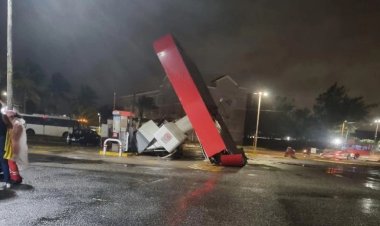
120 124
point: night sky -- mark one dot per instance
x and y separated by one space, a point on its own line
294 48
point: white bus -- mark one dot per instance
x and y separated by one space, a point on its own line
37 124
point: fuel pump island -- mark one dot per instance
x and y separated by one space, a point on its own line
120 134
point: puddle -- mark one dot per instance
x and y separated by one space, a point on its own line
334 170
45 220
373 179
299 164
369 206
370 177
62 160
372 185
354 172
374 173
262 167
6 194
22 187
346 171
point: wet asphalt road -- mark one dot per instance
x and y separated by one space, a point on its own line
70 189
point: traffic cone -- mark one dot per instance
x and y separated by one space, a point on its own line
14 173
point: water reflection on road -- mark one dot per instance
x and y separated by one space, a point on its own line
369 206
191 198
371 177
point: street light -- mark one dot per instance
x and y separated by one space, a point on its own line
343 124
346 126
377 121
260 94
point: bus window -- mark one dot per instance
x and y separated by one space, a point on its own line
33 120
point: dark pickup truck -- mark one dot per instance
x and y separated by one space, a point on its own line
84 137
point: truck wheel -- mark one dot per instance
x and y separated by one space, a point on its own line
30 132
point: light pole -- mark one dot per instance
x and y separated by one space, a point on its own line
260 94
343 124
377 121
9 57
346 126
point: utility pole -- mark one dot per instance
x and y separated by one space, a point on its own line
114 100
9 57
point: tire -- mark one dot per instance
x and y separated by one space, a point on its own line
65 134
68 140
30 132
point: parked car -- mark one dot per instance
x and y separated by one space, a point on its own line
345 154
83 136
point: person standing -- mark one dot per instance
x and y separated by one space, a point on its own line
15 145
4 162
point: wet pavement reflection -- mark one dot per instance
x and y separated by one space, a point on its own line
369 206
370 177
69 190
191 198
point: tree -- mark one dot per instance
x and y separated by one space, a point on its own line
57 92
29 80
88 113
275 117
282 122
334 106
145 103
86 97
26 90
283 104
84 104
59 86
303 123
